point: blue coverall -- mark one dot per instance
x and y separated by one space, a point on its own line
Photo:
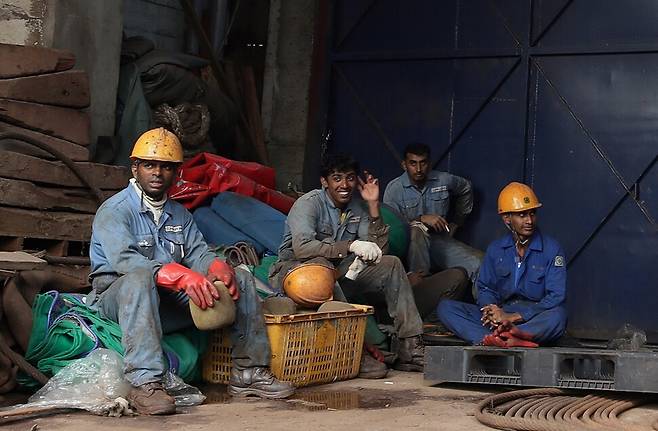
535 288
435 250
127 249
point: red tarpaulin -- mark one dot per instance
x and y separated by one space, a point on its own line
205 175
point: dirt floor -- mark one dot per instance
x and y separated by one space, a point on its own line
401 401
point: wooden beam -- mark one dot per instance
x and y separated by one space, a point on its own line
65 123
70 89
18 60
24 194
74 151
45 224
19 260
22 167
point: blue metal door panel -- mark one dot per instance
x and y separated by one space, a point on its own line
561 94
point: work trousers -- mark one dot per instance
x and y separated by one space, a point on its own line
438 251
464 321
145 312
448 284
386 280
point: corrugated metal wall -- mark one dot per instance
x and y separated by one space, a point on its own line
162 21
561 94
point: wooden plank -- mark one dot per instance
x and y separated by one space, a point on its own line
19 260
65 123
18 60
22 167
45 224
24 194
11 243
70 88
74 151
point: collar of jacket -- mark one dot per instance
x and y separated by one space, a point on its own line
136 202
536 242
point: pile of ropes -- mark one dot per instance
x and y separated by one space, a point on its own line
557 410
189 121
241 253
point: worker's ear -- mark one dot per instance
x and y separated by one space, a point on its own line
133 169
506 218
324 182
404 165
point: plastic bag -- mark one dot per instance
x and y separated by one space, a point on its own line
94 383
184 395
629 338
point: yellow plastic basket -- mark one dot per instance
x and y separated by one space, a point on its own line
307 349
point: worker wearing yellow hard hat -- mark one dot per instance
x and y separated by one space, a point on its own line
147 256
521 286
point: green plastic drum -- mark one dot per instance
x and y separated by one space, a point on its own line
398 234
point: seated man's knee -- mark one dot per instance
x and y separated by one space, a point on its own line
416 234
446 308
141 278
392 261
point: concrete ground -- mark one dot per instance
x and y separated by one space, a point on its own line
401 401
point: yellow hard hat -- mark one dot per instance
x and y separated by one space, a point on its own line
158 144
517 197
310 284
220 315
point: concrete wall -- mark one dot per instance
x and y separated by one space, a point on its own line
286 86
90 29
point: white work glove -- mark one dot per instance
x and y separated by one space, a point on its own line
355 268
368 251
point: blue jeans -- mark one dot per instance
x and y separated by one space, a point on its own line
145 312
464 321
430 252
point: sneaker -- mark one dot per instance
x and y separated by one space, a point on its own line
411 354
258 381
371 368
151 399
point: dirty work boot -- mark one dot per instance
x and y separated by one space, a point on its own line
257 381
411 354
371 368
151 399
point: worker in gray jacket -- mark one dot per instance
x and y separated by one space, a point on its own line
329 226
424 197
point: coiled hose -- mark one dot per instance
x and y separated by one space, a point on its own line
557 410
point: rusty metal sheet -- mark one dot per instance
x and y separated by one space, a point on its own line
18 60
23 167
69 89
65 123
74 151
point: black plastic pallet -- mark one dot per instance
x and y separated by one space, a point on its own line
569 368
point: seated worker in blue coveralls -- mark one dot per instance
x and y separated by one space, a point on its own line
522 283
148 260
424 196
331 227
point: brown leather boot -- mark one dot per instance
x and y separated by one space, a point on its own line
371 368
151 399
411 354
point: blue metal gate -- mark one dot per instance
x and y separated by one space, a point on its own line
560 94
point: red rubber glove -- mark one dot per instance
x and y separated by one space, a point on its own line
222 271
176 277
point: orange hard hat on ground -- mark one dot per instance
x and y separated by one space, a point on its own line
310 284
517 197
159 145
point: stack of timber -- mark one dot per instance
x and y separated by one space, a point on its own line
47 202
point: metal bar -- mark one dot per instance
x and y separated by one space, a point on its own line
644 48
423 54
595 144
607 217
477 113
358 21
550 24
371 119
505 23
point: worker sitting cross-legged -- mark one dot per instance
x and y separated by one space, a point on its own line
148 261
332 227
521 286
